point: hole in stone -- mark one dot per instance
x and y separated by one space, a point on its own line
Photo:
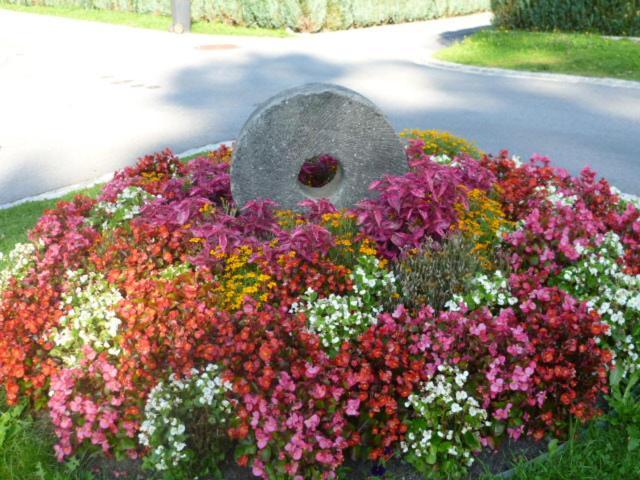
320 176
318 171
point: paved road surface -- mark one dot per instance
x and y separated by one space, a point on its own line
79 99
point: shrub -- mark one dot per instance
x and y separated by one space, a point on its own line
186 423
300 15
340 318
610 17
447 424
421 204
598 277
436 272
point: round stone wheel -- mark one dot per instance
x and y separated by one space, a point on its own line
302 124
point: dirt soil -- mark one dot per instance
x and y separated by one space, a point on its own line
487 462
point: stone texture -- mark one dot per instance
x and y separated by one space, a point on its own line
305 122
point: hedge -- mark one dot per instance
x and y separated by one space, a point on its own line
609 17
299 15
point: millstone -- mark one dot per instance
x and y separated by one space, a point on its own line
304 123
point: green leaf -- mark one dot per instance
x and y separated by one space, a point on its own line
432 457
553 446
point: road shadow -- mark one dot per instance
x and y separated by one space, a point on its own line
446 39
575 125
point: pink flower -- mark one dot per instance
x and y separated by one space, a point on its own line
324 456
311 371
270 425
503 413
312 422
318 391
262 438
258 468
352 407
516 433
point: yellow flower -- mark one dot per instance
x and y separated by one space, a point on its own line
206 208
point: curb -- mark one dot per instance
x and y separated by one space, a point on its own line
552 77
103 178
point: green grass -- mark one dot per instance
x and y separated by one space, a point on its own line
601 453
154 22
577 54
26 449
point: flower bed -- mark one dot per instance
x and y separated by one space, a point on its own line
470 302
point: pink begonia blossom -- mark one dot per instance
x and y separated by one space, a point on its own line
502 413
352 407
262 437
516 433
312 422
258 468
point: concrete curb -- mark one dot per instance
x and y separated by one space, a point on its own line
551 77
103 178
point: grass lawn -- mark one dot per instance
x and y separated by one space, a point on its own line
155 22
577 54
600 453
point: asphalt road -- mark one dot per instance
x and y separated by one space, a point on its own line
80 99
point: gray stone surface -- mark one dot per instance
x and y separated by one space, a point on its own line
305 122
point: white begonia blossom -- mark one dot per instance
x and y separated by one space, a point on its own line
485 290
127 206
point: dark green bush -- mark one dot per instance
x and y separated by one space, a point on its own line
300 15
609 17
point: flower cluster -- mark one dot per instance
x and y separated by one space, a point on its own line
420 204
446 427
126 206
89 318
435 142
319 171
241 277
484 221
485 291
339 318
16 264
184 420
469 302
84 405
598 278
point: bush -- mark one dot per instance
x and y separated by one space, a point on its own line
610 17
299 15
422 203
434 273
